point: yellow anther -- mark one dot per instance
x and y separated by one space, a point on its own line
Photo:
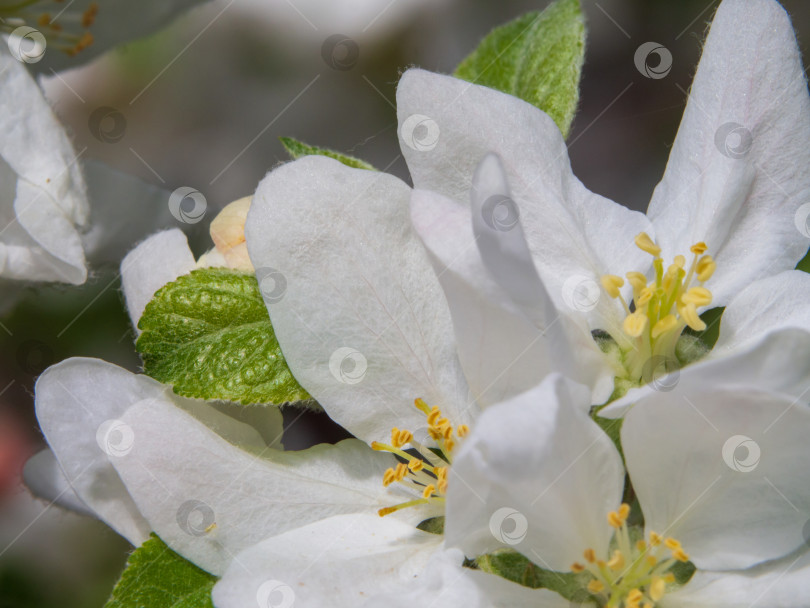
671 543
652 560
645 243
699 296
663 326
689 314
634 324
421 405
435 413
669 577
386 511
611 284
624 511
89 16
635 596
679 261
641 545
462 430
577 568
645 296
699 248
616 562
449 444
705 268
429 490
680 555
637 280
388 477
590 556
658 588
441 473
655 539
596 586
615 520
442 485
416 465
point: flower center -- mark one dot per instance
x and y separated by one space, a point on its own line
663 307
63 29
422 468
635 575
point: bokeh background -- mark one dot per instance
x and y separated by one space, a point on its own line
202 104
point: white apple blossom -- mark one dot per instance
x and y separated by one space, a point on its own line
741 521
724 220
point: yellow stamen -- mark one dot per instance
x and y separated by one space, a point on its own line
645 243
699 248
611 283
690 316
657 588
664 325
634 324
699 296
705 268
596 586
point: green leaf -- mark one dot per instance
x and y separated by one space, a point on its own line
156 577
208 334
537 57
297 149
513 566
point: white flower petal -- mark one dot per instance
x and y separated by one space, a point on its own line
446 583
723 479
735 177
45 479
767 305
74 400
538 475
363 323
502 351
776 362
573 234
50 200
184 478
158 260
783 583
336 562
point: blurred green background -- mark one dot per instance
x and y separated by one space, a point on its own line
204 103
